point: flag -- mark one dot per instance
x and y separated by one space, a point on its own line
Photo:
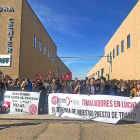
39 76
50 71
47 72
36 75
67 76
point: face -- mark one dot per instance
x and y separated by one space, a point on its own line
92 81
123 84
102 81
54 80
138 87
76 80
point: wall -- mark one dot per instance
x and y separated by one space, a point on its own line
12 71
31 60
127 64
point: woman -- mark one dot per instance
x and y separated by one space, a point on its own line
123 91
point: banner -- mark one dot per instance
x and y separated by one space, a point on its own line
103 108
21 102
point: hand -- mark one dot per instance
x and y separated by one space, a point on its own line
88 94
39 91
97 88
130 97
47 94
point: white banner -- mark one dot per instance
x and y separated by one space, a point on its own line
5 60
103 108
21 102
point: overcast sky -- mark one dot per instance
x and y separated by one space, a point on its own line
82 27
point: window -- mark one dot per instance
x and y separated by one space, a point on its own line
117 50
34 41
128 41
40 46
113 53
48 53
44 50
98 74
52 58
102 72
122 46
57 71
108 58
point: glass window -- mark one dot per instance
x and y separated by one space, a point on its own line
102 72
98 74
113 53
34 41
53 58
48 53
108 58
128 41
58 72
40 46
122 46
117 50
44 50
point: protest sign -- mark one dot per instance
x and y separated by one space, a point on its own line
103 108
21 102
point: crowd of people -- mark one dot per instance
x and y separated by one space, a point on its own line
129 88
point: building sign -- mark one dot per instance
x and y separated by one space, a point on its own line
6 9
5 60
10 35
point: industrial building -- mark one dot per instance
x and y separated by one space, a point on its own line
121 59
26 48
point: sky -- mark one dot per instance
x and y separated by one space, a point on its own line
82 27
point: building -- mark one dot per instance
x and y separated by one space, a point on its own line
25 46
121 59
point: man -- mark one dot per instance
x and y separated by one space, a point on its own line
104 87
54 87
98 82
74 85
90 88
86 78
83 87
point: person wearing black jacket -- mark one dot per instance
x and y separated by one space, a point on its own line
83 87
104 87
74 85
97 85
54 87
91 88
